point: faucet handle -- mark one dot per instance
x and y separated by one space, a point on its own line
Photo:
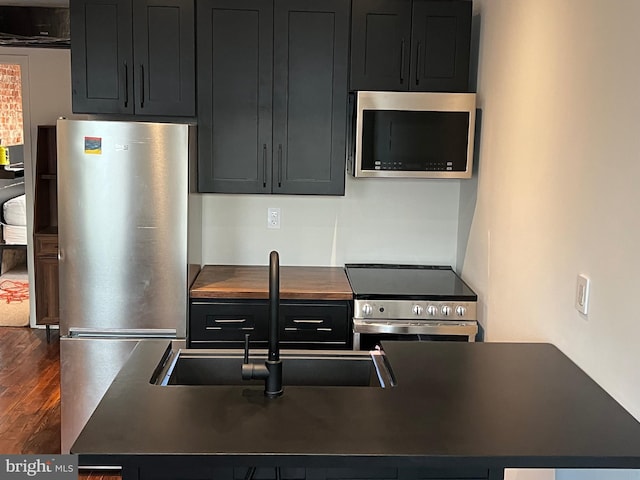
251 371
246 348
247 368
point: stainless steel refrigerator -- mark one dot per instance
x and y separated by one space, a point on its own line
129 247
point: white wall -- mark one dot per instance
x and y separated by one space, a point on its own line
378 220
47 76
558 183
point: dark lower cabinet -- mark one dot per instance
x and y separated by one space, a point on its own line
272 91
133 57
410 45
306 473
303 324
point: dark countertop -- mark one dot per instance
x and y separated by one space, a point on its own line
456 405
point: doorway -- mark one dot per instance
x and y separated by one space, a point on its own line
16 277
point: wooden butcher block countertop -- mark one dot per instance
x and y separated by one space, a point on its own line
244 281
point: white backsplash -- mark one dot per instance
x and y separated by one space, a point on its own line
378 220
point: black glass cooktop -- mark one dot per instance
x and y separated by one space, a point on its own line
410 282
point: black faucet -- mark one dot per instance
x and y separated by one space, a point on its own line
271 371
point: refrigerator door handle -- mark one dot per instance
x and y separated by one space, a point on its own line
123 333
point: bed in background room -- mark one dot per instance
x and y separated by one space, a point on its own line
13 222
14 286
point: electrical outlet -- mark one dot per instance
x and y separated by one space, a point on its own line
582 294
273 218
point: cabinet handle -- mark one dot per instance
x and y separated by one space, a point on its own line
280 165
141 85
126 85
324 329
264 165
402 61
230 320
305 320
418 63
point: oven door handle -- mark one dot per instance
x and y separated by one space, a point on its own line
425 327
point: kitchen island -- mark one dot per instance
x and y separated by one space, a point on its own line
459 410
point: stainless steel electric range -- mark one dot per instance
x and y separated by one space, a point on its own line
410 302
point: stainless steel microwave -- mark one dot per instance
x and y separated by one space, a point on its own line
411 134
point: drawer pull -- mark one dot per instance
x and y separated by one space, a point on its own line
247 328
295 320
230 320
290 329
324 329
213 328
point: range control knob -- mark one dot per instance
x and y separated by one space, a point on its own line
417 310
460 311
432 310
446 310
367 309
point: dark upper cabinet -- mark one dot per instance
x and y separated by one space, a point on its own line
311 45
101 56
235 71
440 42
272 90
133 57
415 45
380 43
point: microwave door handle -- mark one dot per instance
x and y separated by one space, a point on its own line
402 61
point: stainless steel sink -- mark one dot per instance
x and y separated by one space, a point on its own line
300 368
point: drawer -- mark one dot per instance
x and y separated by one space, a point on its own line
327 323
229 322
46 245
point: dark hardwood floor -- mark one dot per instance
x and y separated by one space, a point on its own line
30 394
29 391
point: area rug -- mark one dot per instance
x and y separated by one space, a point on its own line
14 303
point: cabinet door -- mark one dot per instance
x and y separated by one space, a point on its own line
234 95
101 56
441 35
47 305
310 96
380 43
164 55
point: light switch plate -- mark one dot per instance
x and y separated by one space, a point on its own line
582 294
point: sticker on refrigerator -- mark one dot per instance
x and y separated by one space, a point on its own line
93 145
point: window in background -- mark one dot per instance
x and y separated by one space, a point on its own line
11 123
